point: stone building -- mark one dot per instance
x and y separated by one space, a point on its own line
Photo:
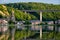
3 25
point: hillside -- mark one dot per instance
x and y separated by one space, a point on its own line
3 11
33 6
38 6
19 15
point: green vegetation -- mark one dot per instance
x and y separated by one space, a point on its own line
23 16
38 6
20 15
3 10
19 35
6 10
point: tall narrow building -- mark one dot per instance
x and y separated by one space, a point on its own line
12 16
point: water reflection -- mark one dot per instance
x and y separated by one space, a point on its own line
21 30
37 27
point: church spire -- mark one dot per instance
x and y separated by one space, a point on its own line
12 16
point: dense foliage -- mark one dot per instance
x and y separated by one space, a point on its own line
38 6
20 15
6 10
3 11
19 35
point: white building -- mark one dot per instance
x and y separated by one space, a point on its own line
20 25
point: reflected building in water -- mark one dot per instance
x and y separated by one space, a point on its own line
3 25
20 25
34 25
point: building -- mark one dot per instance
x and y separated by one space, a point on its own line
49 22
20 25
3 25
57 21
34 24
36 27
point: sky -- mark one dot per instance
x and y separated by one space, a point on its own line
40 1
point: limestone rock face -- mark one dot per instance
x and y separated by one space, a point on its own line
3 10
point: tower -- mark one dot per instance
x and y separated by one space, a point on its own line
13 20
12 16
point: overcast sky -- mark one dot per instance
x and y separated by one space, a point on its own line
42 1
